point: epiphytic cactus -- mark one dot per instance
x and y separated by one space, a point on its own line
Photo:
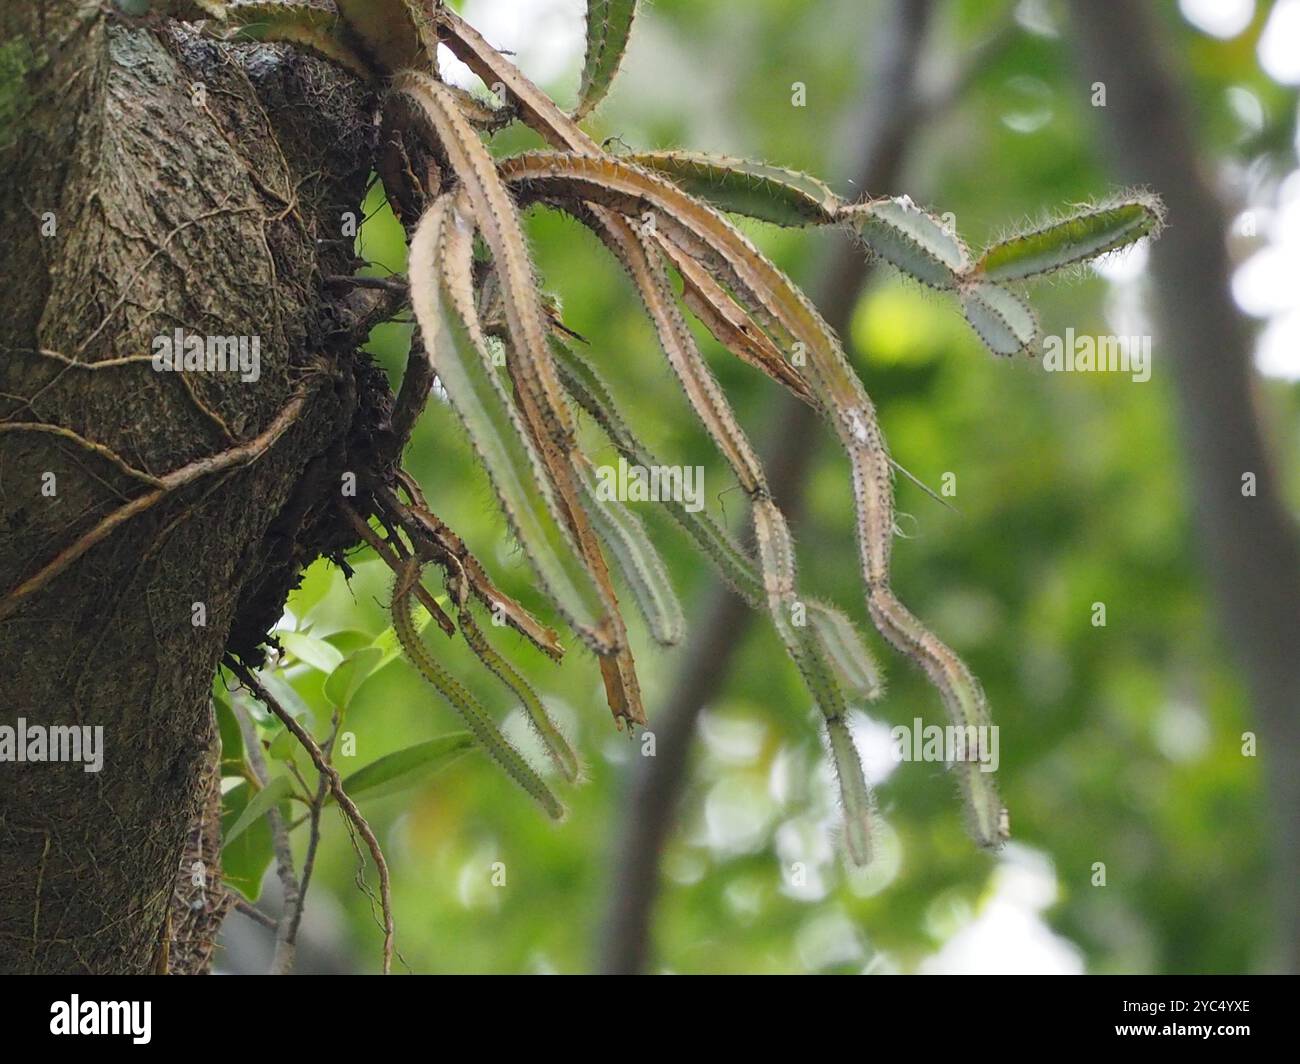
506 363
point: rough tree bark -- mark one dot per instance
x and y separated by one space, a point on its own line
155 180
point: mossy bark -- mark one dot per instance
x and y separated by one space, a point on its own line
154 180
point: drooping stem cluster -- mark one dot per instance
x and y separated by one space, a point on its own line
509 371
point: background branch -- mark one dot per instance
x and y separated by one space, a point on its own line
1250 544
349 808
285 926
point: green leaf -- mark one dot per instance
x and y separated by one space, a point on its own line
741 186
283 746
244 860
311 651
232 739
1072 240
609 24
406 768
262 803
1004 321
349 640
312 588
288 697
344 682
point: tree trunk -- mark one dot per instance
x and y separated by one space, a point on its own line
156 180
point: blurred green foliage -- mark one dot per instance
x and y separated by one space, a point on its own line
1120 744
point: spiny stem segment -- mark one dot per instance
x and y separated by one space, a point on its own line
592 394
475 716
494 429
1004 321
1077 238
741 186
609 24
802 643
394 34
537 433
910 239
547 730
841 643
846 652
550 435
731 325
320 31
639 562
466 581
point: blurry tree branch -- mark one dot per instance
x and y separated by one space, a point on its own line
890 106
1251 545
284 927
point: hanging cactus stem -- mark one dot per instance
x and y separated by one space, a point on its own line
507 364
